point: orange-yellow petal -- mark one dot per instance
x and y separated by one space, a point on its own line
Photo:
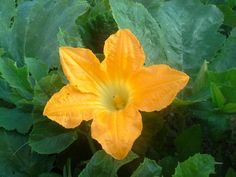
123 54
116 131
69 107
155 87
81 68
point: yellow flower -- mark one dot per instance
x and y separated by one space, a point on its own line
112 92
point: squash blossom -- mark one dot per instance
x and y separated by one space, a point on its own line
112 92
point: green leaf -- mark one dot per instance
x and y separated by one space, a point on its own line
230 108
231 3
134 16
9 117
230 173
37 68
34 30
199 165
226 81
69 39
103 165
190 33
17 159
7 11
189 142
226 58
151 5
229 14
148 168
16 77
218 98
8 94
48 137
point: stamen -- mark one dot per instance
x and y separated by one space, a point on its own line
119 102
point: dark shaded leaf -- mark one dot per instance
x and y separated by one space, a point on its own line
189 142
17 159
48 137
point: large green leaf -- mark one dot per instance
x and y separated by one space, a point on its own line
190 32
151 5
7 11
37 68
17 159
199 165
148 168
189 142
9 117
180 33
35 28
134 16
16 77
103 165
48 137
226 58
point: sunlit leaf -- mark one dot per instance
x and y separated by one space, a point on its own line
199 165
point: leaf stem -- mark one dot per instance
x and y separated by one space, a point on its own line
91 144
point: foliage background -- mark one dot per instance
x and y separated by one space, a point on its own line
195 136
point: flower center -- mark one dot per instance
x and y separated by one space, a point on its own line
119 102
115 97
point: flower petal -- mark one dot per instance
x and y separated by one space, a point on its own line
117 131
123 54
155 87
81 68
69 107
